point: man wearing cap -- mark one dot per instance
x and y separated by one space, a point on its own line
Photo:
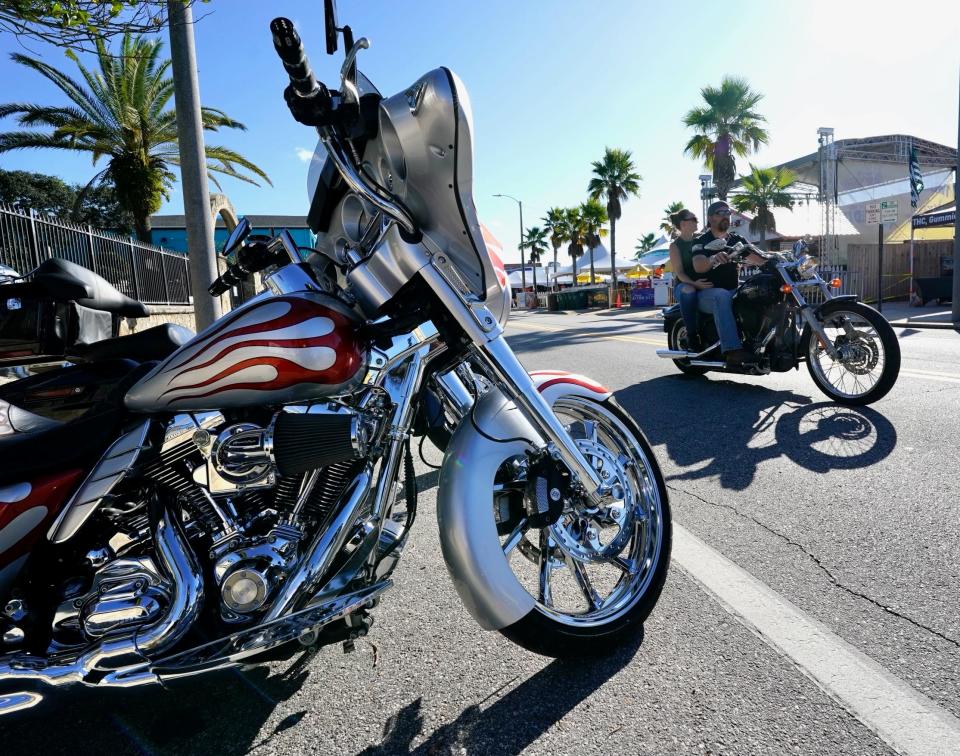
719 270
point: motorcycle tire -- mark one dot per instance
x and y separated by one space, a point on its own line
891 353
541 633
677 341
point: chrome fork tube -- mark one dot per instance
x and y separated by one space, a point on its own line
500 358
487 337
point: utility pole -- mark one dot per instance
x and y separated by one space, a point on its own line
193 164
956 228
523 265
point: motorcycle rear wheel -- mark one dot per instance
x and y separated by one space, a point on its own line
870 360
610 564
677 341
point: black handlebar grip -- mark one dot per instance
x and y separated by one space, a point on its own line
287 43
217 288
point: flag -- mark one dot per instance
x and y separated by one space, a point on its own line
916 178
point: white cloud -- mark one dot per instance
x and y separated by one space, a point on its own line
304 154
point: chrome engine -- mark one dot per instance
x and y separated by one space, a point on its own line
252 497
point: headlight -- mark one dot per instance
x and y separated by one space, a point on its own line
807 266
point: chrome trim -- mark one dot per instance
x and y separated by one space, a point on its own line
359 184
108 472
501 359
104 663
305 579
289 279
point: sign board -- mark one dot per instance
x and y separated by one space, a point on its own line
889 211
885 211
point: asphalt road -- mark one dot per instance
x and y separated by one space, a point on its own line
851 515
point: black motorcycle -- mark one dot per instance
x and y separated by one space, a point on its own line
850 349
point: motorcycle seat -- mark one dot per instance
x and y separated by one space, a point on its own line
65 281
152 344
61 446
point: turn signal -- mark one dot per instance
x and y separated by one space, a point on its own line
836 283
786 288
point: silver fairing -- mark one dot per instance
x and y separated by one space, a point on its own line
426 133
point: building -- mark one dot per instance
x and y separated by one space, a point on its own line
847 184
169 231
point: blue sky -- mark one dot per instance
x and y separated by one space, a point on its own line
552 83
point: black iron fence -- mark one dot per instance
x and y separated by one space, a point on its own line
142 271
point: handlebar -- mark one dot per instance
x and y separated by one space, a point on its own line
289 47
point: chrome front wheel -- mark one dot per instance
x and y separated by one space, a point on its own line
867 360
595 572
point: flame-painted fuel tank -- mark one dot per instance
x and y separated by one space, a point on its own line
273 350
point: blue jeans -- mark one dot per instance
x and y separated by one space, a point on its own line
686 296
719 303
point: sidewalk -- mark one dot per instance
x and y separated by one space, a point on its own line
902 315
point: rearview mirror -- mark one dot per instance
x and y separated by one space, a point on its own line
240 232
716 245
330 24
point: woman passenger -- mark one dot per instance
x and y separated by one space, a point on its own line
688 282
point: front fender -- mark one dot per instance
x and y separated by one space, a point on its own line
468 534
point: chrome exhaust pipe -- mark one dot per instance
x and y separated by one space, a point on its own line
677 354
123 661
708 363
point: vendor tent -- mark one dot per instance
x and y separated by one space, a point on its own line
542 280
601 263
654 258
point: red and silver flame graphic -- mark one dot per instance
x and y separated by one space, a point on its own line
26 509
268 346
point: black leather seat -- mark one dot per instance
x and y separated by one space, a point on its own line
152 344
74 444
65 281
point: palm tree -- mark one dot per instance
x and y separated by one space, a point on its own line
535 240
121 116
594 215
615 179
666 225
575 231
726 126
644 244
763 190
553 221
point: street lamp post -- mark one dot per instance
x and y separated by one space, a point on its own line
523 266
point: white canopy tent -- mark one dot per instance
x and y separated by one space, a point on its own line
654 258
542 277
601 263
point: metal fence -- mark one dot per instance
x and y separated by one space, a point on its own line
142 271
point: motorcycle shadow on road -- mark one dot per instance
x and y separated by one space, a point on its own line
223 713
725 429
512 722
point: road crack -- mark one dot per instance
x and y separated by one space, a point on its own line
816 560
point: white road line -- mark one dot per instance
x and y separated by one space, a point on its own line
904 718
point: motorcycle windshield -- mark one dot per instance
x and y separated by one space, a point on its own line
426 143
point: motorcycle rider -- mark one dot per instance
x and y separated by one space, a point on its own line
721 272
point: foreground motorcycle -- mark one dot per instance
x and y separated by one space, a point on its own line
850 349
173 505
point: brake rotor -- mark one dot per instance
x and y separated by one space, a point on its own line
860 356
598 534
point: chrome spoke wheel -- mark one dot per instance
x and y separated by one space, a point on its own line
594 563
860 360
